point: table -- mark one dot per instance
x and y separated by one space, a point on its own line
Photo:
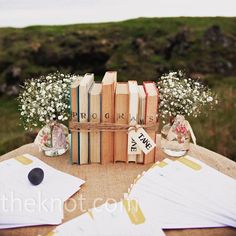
109 182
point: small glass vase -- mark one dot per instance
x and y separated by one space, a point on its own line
175 139
52 139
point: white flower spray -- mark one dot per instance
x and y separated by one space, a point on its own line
45 99
180 95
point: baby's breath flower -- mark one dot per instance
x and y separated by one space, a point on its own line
45 99
183 96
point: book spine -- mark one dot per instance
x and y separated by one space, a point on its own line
71 144
95 137
121 117
133 116
100 133
108 97
83 116
74 152
78 133
141 119
150 118
89 134
157 115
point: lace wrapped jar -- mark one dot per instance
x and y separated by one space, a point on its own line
53 139
176 137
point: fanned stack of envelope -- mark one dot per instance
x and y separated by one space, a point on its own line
23 204
124 218
186 193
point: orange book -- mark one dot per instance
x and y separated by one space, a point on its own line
121 117
108 115
151 115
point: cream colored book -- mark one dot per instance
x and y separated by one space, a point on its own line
74 106
133 110
121 117
141 115
108 115
95 117
84 87
151 115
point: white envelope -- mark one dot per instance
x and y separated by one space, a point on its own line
207 185
123 219
172 192
82 225
47 199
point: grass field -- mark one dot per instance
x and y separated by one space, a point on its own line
140 49
11 133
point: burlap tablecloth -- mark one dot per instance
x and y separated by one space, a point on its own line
109 182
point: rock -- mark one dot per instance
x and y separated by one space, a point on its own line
214 35
13 90
229 64
3 88
16 71
105 42
179 44
197 76
35 46
9 90
142 47
138 43
36 176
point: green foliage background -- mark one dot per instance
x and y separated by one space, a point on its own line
140 49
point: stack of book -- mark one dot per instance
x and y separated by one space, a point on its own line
110 102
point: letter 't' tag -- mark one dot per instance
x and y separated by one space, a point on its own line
144 141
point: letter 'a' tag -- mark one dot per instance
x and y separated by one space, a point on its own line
133 147
144 141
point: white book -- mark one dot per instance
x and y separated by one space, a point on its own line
95 117
133 111
141 115
84 87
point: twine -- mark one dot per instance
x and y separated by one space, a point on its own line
112 127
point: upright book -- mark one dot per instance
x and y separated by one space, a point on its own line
74 107
108 116
141 115
121 117
133 111
95 100
84 87
151 115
